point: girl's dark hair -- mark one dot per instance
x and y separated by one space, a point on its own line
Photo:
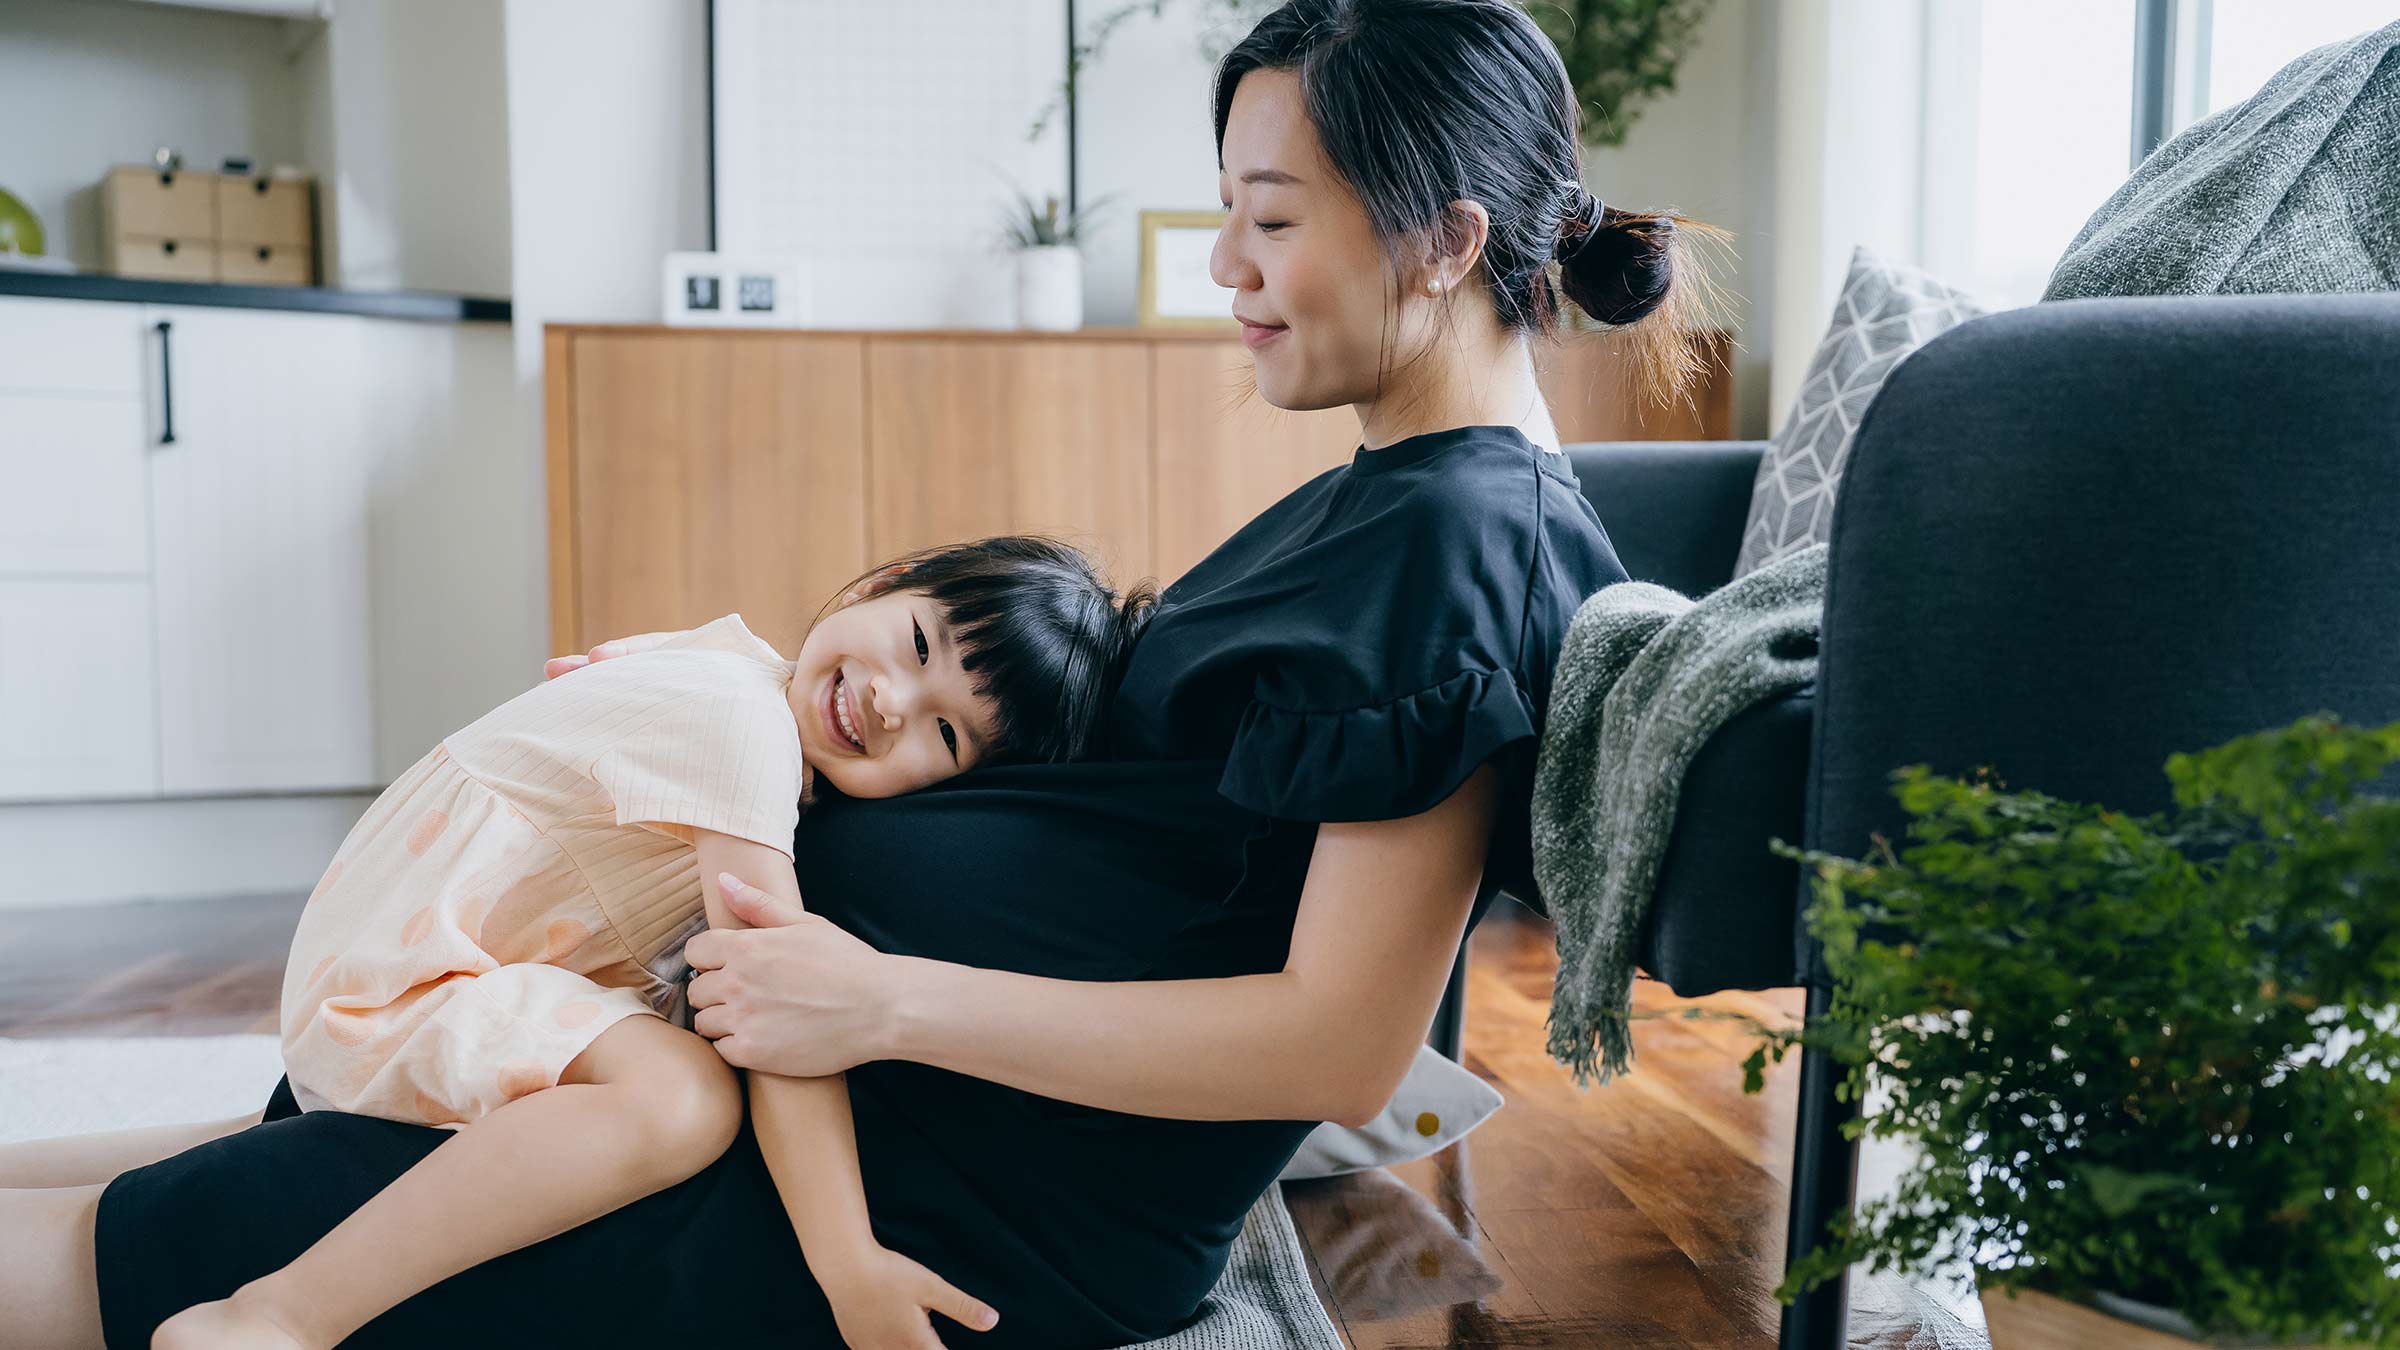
1039 631
1421 103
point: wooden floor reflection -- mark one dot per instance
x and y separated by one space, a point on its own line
1647 1213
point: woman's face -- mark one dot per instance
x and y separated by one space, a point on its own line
883 705
1309 278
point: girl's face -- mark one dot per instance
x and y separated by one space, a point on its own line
1309 277
883 705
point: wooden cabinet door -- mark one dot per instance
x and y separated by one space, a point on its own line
259 513
1224 453
1586 378
977 436
710 475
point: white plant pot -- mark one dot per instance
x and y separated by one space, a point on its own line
1050 288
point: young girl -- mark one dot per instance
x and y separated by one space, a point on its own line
497 946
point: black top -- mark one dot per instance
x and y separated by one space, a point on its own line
1352 654
1356 651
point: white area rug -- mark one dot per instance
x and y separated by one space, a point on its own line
50 1087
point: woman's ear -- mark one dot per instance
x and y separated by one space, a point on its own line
1454 246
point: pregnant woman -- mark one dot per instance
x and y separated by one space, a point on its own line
1088 1010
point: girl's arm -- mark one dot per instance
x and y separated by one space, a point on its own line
803 1124
1328 1037
810 1145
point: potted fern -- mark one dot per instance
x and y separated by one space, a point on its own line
2150 1066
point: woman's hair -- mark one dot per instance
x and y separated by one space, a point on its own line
1038 631
1420 103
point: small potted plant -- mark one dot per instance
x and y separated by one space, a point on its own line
2150 1066
1046 242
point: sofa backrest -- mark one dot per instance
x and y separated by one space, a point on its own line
1674 509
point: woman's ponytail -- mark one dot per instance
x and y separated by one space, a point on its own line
1629 268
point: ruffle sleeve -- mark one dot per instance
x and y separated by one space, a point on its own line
1374 763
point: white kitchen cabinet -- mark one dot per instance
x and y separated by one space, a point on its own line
183 616
78 495
78 706
259 513
77 500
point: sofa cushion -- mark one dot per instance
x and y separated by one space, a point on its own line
2296 188
1885 311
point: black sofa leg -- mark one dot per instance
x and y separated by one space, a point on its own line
1450 1019
1824 1169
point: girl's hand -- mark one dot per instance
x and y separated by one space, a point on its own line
881 1301
624 646
792 994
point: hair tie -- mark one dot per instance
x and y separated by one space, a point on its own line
1587 212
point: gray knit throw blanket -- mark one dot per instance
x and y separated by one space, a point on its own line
1645 678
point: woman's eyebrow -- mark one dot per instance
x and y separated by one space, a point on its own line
1275 176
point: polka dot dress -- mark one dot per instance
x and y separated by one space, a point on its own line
531 882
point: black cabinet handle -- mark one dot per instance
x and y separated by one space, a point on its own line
166 381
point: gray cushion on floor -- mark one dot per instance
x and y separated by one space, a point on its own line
2295 189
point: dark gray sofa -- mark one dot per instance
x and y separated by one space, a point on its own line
2072 539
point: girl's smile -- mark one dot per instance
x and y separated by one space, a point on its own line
842 719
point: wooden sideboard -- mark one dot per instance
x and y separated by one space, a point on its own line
696 472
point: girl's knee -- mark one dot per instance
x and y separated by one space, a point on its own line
692 1104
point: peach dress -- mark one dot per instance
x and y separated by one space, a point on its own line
532 880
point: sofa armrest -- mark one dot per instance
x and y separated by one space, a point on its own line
2075 538
1674 509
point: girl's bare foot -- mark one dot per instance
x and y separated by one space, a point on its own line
236 1323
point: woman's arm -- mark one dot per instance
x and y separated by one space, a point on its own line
624 646
1328 1037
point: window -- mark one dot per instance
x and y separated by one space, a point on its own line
2241 43
2032 108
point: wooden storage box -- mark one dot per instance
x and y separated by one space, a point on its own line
160 224
263 264
264 211
189 226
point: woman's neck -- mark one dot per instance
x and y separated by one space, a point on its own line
1482 380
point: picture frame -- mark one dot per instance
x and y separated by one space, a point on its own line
719 290
1176 291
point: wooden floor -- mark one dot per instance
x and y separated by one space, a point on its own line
1647 1213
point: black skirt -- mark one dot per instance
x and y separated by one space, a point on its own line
1083 1227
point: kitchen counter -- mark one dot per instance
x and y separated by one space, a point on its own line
430 306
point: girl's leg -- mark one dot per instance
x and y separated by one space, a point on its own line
645 1106
96 1159
49 1292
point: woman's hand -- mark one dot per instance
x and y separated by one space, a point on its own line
791 994
624 646
881 1301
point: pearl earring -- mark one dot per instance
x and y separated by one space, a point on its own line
1433 288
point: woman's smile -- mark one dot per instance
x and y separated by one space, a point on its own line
1257 335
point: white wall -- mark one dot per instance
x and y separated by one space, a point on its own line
86 86
405 108
608 173
1706 150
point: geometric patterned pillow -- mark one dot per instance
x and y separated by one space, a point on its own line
1885 311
